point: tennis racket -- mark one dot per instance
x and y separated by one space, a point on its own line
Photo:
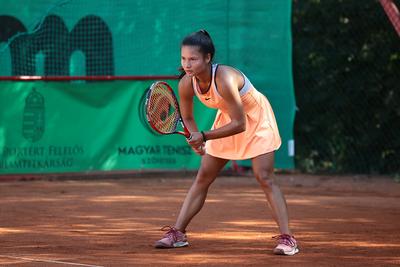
162 110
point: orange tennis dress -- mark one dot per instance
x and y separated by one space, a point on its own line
261 135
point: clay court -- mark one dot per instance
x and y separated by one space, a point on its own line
338 221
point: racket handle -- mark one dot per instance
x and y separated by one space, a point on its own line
188 135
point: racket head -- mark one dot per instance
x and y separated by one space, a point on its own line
162 109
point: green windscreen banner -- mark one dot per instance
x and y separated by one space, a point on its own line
48 127
56 127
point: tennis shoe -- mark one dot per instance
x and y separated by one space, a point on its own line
287 245
173 238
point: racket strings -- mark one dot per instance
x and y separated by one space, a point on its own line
162 110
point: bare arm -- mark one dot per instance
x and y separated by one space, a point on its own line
228 88
228 81
186 103
186 95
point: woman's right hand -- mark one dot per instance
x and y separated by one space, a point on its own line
195 139
196 142
199 150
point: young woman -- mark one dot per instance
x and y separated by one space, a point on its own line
244 128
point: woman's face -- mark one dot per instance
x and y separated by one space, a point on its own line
193 61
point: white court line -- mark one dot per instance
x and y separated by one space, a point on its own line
49 261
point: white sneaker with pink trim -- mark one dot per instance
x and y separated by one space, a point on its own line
173 238
287 245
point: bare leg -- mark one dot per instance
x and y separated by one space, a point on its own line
194 201
263 167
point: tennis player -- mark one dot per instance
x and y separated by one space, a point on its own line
244 128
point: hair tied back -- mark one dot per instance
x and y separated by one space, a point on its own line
205 33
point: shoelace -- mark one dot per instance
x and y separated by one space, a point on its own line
172 232
285 239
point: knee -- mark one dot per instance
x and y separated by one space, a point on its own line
203 179
265 178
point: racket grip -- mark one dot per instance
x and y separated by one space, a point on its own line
188 135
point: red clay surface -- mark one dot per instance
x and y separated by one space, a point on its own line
338 221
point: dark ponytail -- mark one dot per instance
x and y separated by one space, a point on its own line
201 39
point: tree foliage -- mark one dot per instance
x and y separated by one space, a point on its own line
347 81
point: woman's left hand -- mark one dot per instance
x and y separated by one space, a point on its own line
196 139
